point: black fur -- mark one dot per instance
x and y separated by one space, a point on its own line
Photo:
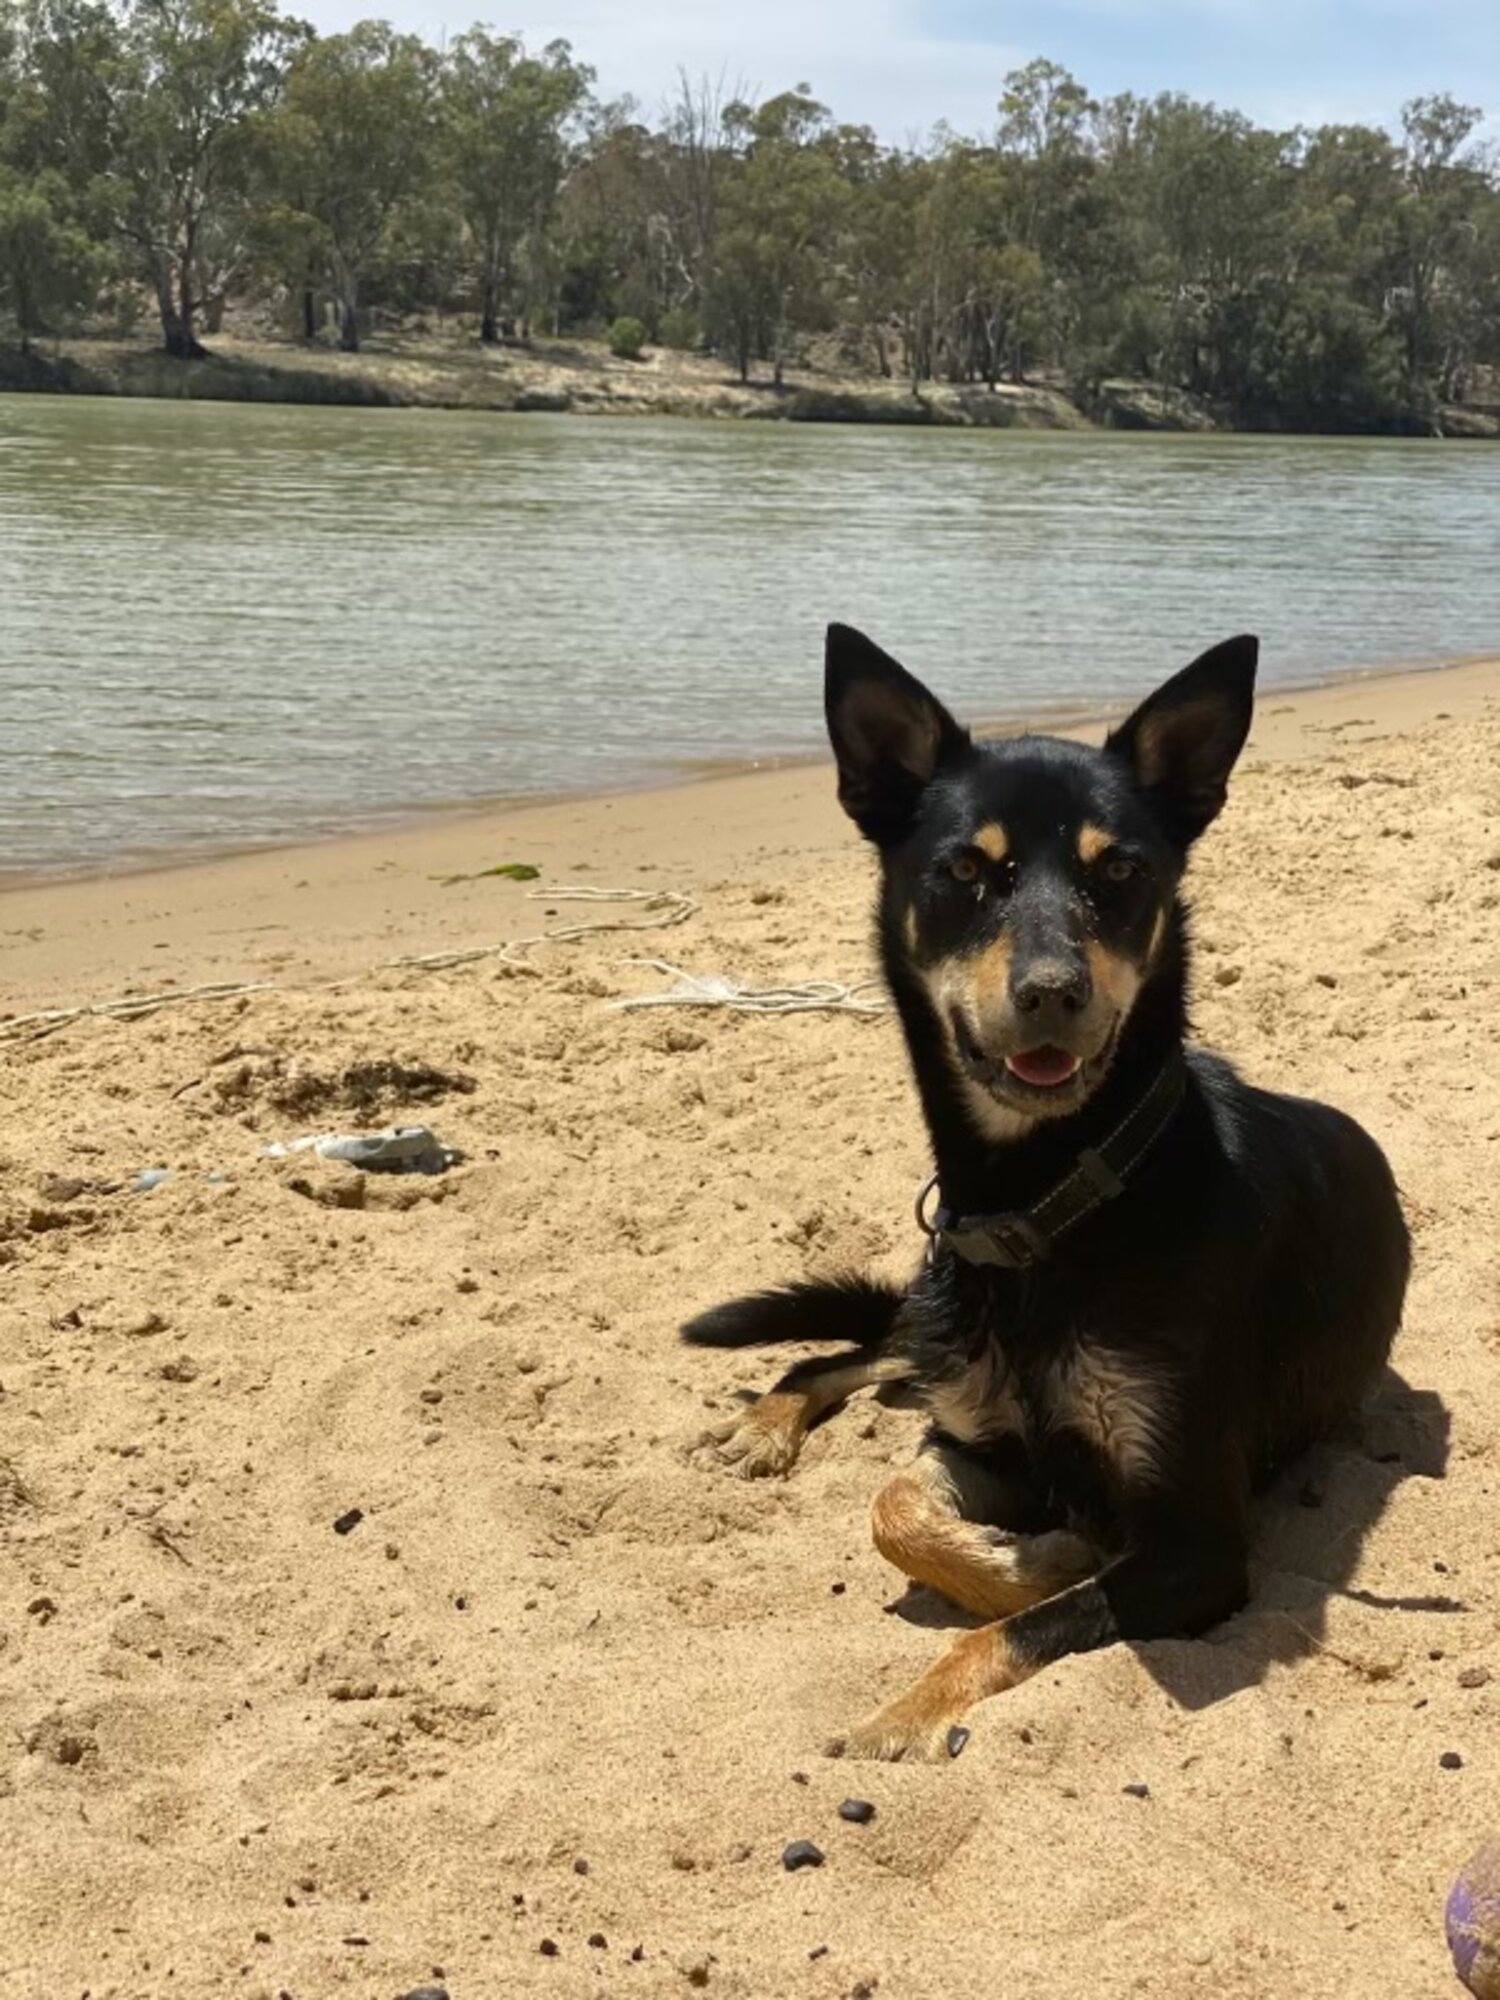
1250 1279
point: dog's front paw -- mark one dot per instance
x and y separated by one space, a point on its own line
902 1731
762 1442
925 1722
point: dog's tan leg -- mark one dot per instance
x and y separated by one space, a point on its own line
917 1723
921 1524
766 1437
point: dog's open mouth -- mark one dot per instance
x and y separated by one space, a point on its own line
1038 1079
1045 1068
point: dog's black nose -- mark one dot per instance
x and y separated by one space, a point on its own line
1051 986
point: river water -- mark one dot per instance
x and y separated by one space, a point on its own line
223 624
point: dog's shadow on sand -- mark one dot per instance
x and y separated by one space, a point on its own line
1311 1526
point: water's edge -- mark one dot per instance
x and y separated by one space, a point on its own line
460 813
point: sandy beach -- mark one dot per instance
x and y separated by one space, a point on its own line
542 1719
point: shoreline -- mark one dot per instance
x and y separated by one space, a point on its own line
341 907
1063 719
577 376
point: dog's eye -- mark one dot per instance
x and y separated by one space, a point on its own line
1119 868
964 868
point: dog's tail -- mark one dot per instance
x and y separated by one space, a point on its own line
859 1311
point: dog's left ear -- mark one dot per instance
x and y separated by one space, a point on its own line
1182 741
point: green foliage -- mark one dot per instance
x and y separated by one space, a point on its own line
191 151
627 336
50 269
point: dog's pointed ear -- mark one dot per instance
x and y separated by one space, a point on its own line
1182 741
889 735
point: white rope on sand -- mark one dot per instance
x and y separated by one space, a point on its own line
665 908
810 996
31 1027
661 909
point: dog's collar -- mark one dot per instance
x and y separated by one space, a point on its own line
1016 1238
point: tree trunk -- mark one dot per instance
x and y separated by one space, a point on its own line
176 339
348 327
489 312
309 313
882 356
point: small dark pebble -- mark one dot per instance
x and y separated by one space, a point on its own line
1451 1761
799 1777
1474 1677
801 1854
863 1991
958 1736
598 1942
859 1812
548 1947
1441 1568
356 1940
580 1866
838 1589
426 1993
346 1523
262 1937
818 1951
638 1954
1136 1791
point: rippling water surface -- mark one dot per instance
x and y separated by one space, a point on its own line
222 624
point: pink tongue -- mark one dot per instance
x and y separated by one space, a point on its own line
1042 1066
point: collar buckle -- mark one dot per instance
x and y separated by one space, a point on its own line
1011 1241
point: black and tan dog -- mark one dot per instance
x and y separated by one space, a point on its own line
1148 1283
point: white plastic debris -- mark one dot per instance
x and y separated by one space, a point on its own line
399 1149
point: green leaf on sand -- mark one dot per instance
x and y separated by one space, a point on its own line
513 871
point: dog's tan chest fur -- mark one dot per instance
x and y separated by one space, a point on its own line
1091 1390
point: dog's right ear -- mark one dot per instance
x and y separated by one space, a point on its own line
888 733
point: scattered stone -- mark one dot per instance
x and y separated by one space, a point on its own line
43 1608
801 1854
799 1777
598 1941
1136 1791
818 1951
73 1749
1325 979
347 1523
548 1947
741 1851
638 1954
182 1368
859 1812
1451 1761
838 1589
143 1324
426 1993
958 1736
1228 975
580 1866
262 1937
1474 1677
695 1971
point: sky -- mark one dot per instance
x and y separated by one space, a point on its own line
902 65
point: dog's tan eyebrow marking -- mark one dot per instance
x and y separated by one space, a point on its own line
1092 842
992 839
